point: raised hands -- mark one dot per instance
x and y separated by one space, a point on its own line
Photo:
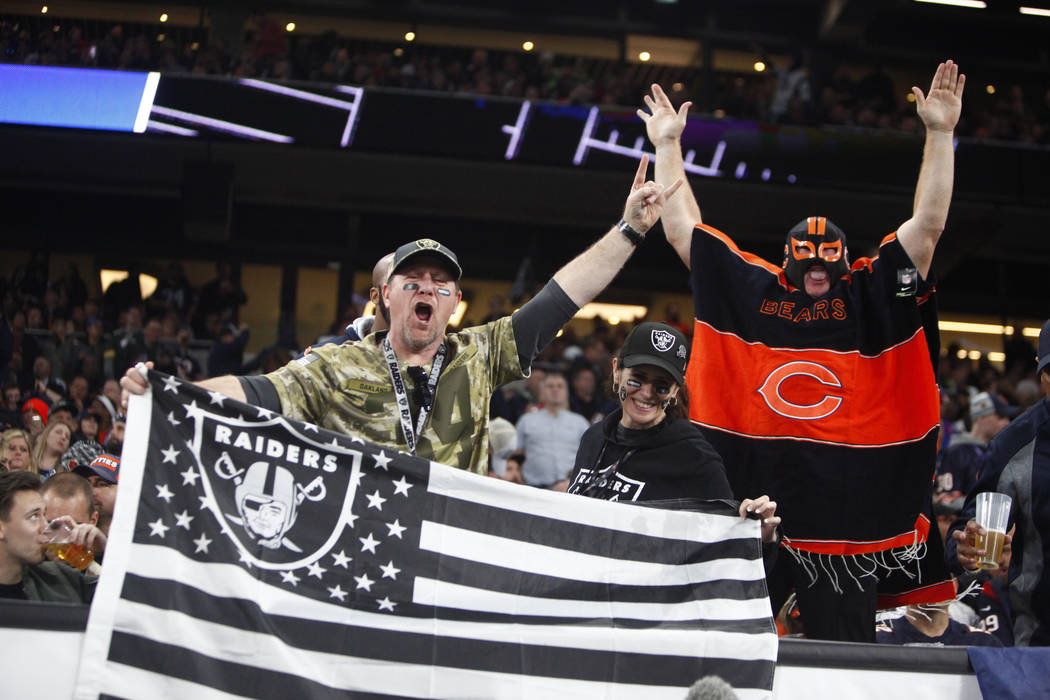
662 123
940 109
647 199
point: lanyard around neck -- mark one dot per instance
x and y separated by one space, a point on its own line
401 395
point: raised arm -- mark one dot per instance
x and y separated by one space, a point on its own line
939 111
591 271
664 126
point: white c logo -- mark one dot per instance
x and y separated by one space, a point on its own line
770 391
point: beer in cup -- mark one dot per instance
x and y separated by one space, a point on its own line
60 545
993 514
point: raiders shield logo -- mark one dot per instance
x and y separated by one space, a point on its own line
428 244
662 340
262 480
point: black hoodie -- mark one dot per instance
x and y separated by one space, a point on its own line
669 462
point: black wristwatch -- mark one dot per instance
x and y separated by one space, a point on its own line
633 236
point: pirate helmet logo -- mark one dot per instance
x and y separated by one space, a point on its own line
662 340
267 498
427 244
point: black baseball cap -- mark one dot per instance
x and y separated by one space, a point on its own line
425 246
1044 348
659 345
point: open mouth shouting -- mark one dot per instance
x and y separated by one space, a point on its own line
424 312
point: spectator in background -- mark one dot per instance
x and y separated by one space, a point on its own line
24 574
11 413
103 474
173 293
550 437
46 387
63 412
14 451
961 461
115 440
791 97
503 439
50 446
69 494
930 625
186 365
78 394
586 397
129 342
34 417
227 353
88 427
218 303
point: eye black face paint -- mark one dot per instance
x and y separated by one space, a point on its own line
411 286
444 292
633 382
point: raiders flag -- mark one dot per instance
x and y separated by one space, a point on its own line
254 556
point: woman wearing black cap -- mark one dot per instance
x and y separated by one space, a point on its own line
646 450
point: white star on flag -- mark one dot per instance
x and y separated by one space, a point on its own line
396 528
352 518
183 519
171 384
342 560
386 604
390 571
246 560
290 577
189 477
368 544
216 397
157 528
337 592
164 492
170 454
202 543
204 501
316 569
364 582
194 411
356 440
171 419
381 460
265 413
401 486
310 427
375 500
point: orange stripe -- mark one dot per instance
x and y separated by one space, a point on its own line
846 547
821 225
933 593
811 225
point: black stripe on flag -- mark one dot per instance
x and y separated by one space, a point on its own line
455 652
586 539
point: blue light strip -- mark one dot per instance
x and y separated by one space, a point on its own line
77 98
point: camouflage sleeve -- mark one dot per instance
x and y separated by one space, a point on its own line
504 362
305 385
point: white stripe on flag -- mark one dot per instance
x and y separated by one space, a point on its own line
356 674
552 561
129 682
640 520
231 581
450 595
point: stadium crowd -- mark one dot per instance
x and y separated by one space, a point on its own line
825 93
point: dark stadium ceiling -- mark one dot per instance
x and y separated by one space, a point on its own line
998 34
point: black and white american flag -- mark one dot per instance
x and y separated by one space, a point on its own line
255 556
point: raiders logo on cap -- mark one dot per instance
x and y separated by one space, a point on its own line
428 243
662 340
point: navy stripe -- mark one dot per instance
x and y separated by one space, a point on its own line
586 539
456 652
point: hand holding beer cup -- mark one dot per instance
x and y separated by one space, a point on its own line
72 542
984 542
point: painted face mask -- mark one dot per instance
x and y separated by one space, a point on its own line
815 241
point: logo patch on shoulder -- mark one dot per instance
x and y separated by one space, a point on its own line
307 359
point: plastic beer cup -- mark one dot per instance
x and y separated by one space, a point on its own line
60 544
993 514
